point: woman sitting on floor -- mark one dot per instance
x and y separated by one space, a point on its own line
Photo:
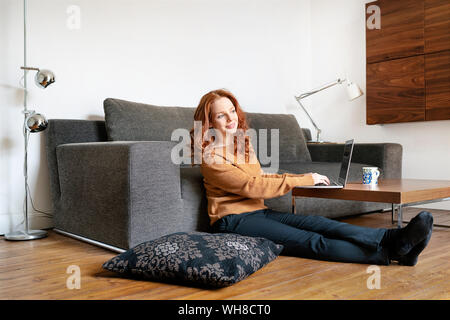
236 191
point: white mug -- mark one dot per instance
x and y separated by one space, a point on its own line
370 175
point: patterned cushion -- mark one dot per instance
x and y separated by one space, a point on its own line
216 260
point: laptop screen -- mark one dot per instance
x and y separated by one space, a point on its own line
346 159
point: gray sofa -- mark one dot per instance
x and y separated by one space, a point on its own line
114 186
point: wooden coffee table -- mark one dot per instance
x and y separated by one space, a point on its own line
399 192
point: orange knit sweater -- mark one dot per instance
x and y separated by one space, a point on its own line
233 187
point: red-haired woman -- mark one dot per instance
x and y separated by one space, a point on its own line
236 191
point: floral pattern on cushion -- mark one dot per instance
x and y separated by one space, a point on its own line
216 260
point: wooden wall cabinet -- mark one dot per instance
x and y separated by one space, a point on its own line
437 84
437 25
396 90
408 62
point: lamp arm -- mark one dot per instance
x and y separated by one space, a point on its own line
307 94
326 86
30 68
311 119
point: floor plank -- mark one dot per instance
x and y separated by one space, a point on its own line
38 270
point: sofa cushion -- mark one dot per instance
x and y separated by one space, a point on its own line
292 142
205 259
132 121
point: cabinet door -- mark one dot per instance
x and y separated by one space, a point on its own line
401 33
437 25
396 91
437 82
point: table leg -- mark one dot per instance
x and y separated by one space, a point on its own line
294 209
392 213
399 216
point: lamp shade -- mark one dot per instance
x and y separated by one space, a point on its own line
353 91
36 122
44 78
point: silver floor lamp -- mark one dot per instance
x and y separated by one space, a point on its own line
33 122
353 92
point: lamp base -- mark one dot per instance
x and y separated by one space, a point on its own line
28 235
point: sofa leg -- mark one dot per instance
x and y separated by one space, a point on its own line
90 241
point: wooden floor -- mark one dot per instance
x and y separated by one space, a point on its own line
37 270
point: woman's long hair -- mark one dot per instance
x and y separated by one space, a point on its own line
203 113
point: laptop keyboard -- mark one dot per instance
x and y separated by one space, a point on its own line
332 183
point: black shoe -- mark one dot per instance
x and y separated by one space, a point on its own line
413 256
417 230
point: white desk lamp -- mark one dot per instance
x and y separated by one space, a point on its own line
353 91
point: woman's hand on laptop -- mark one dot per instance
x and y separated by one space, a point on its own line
318 178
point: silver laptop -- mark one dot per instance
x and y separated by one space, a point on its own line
343 174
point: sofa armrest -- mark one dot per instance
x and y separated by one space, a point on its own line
386 156
118 193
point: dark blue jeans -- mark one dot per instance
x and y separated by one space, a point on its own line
313 237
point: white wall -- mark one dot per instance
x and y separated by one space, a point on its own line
338 49
166 52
